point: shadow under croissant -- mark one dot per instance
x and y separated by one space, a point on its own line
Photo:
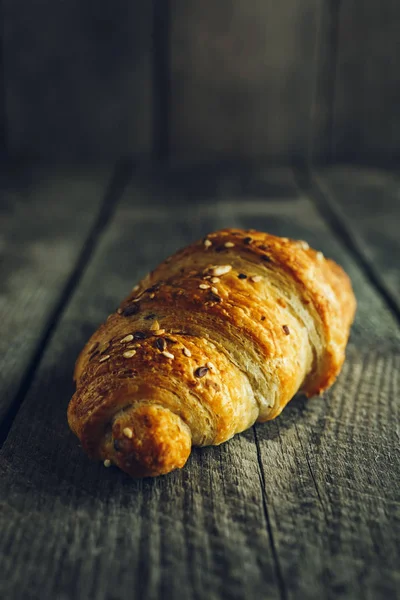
70 472
148 439
58 461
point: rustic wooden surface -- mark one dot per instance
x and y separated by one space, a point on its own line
46 219
368 206
306 506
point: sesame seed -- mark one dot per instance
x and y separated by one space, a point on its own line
207 243
150 317
161 344
215 280
286 329
167 354
201 371
139 335
131 310
221 270
187 352
107 463
159 332
214 290
104 347
135 289
127 338
137 299
119 311
129 354
303 245
229 244
215 298
256 278
93 347
320 256
152 295
106 357
204 286
155 326
210 366
127 431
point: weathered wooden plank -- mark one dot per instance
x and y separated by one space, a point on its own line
46 218
200 533
210 531
374 324
242 78
330 465
331 468
367 203
78 80
367 92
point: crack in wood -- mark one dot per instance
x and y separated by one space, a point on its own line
278 568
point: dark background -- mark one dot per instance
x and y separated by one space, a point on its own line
291 81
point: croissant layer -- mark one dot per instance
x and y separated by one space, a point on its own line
220 335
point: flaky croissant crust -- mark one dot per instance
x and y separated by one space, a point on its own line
220 335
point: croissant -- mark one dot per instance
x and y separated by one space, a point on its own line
219 336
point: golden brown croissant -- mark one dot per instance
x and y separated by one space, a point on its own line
220 335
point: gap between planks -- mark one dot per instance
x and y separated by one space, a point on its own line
320 197
278 569
120 178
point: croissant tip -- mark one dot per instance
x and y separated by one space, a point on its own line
149 440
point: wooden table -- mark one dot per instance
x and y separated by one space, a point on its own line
306 506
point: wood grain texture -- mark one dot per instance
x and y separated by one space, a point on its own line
78 78
46 217
291 509
367 202
199 533
374 324
242 77
331 467
367 90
